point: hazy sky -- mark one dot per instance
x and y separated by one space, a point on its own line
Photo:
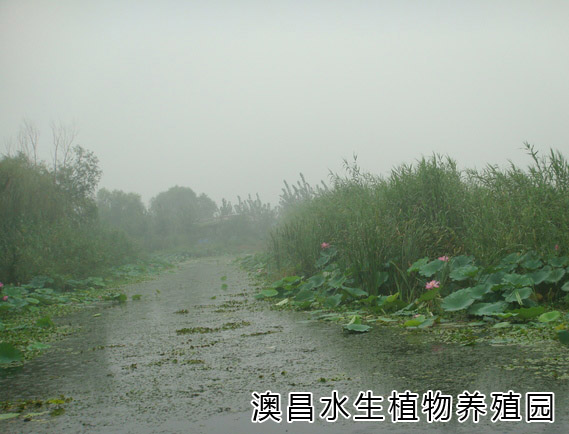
233 97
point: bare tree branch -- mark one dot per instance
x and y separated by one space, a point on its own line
9 146
63 138
28 138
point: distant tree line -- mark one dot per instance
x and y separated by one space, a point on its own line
180 219
54 222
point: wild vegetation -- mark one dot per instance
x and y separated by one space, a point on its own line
380 226
54 222
49 223
62 243
426 242
429 240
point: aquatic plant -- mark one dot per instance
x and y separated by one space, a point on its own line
380 225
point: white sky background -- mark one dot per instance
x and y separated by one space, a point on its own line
233 97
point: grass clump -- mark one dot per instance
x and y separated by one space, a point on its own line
379 226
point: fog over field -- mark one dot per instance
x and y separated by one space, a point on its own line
231 98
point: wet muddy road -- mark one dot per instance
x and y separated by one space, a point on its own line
140 367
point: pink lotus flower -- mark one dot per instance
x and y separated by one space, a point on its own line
5 298
432 284
443 258
1 284
324 245
556 247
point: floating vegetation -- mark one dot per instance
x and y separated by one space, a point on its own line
21 408
182 311
268 332
226 326
187 331
355 325
234 325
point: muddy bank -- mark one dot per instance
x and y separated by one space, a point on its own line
188 355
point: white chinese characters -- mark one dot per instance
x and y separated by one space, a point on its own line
433 406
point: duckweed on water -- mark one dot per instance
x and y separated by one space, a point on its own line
187 331
21 409
182 311
226 326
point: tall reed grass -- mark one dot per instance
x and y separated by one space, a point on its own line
430 208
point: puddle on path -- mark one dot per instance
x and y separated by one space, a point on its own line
132 370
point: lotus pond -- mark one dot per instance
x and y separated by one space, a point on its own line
521 299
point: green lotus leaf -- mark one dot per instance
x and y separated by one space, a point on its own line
458 300
480 291
482 309
278 284
464 272
415 322
14 291
502 325
428 322
333 301
357 328
531 264
549 316
431 268
269 292
355 292
356 319
9 353
385 319
304 295
518 294
556 275
561 261
391 298
417 265
495 278
540 275
527 313
317 280
338 280
517 280
461 261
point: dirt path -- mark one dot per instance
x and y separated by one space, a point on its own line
141 368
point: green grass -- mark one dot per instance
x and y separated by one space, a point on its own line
430 208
